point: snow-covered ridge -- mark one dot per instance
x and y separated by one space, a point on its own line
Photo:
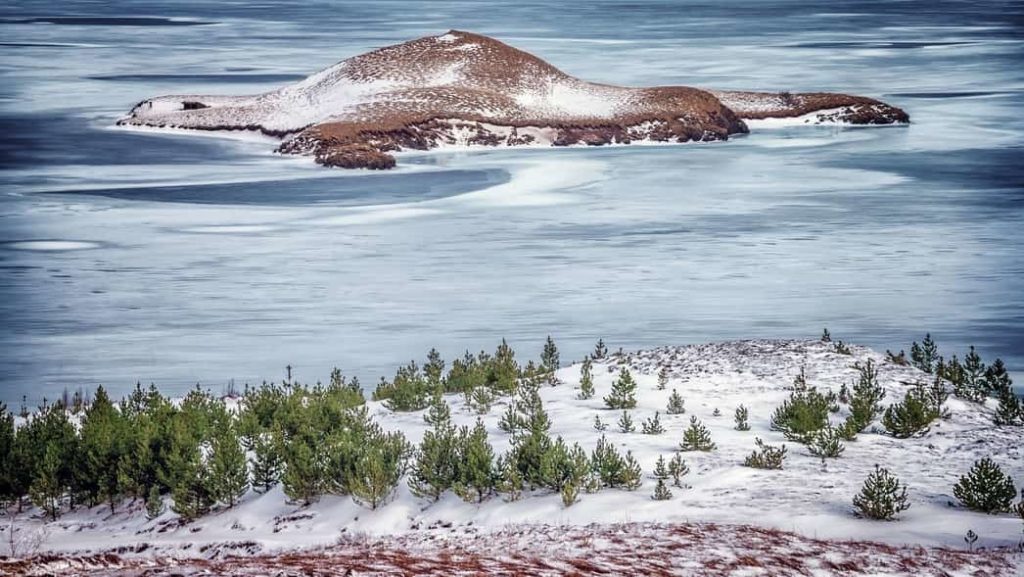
809 495
353 114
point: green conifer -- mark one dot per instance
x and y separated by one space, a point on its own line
676 405
867 394
229 474
882 497
765 456
662 378
477 476
661 491
652 425
696 437
626 423
677 469
985 488
586 380
266 462
154 503
742 424
623 393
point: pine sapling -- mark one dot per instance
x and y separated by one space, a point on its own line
677 469
662 378
696 437
882 497
765 456
661 491
675 404
626 423
985 488
661 469
600 425
741 417
827 443
652 425
586 380
623 393
154 503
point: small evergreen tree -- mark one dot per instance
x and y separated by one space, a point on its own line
675 404
266 462
867 393
882 497
997 379
985 488
1010 411
652 425
696 437
438 410
435 462
434 369
661 469
510 481
479 399
826 337
303 478
47 488
626 423
972 386
476 475
154 503
661 491
600 350
549 358
229 475
912 415
586 380
378 468
765 456
623 394
662 378
741 417
827 443
599 425
925 355
612 469
677 469
803 413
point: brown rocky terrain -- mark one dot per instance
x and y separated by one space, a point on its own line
704 550
464 89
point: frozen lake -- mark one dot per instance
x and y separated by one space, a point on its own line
128 256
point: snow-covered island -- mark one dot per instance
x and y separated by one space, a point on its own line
657 462
465 89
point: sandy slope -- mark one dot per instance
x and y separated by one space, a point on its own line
809 497
461 88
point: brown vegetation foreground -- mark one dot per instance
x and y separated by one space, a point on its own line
620 549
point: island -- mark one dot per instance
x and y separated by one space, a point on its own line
462 89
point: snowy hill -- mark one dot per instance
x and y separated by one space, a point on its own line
465 89
809 496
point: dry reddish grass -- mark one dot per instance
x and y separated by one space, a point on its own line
625 549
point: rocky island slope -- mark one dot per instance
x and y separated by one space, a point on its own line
460 89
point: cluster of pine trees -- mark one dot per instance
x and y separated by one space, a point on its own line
204 453
200 452
970 379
